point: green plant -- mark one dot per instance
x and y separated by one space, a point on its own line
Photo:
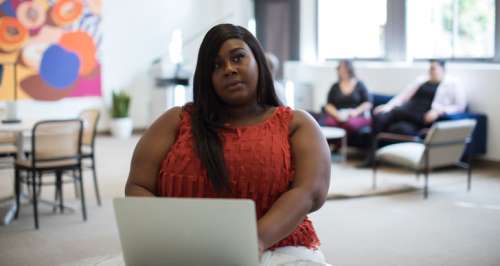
120 104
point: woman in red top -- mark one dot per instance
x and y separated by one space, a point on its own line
236 141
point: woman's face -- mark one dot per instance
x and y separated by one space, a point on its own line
236 73
343 72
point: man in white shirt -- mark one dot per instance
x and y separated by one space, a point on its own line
421 103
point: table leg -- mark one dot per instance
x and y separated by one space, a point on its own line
343 149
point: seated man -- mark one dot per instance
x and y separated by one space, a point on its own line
420 104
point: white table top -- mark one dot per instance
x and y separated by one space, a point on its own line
24 125
333 132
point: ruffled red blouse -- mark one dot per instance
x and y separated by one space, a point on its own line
259 163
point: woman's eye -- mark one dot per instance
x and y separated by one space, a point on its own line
238 57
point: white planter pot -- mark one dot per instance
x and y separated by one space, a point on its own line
121 127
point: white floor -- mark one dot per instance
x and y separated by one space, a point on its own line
452 227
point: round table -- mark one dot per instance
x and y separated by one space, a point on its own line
336 133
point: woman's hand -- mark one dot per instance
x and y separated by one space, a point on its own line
354 113
331 110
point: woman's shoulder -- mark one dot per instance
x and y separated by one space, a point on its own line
360 84
169 121
300 118
335 86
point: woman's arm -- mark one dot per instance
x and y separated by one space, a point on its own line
366 99
310 186
149 153
331 110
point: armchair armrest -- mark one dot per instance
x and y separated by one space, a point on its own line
397 137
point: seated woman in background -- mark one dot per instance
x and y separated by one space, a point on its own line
349 103
236 141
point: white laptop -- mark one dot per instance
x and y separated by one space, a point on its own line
180 231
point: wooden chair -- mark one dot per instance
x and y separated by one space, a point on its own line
56 148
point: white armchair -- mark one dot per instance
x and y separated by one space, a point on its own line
443 146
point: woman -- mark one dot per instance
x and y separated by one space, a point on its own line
235 141
348 101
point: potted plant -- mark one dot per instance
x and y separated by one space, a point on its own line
121 124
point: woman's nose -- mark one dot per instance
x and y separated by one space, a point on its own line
229 69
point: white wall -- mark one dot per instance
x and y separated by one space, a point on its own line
481 81
137 33
134 34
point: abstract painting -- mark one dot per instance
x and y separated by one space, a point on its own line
49 49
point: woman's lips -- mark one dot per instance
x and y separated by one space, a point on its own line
234 85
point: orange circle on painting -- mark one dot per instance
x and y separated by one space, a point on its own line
31 14
65 12
13 34
83 45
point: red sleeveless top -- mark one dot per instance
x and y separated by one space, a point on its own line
259 163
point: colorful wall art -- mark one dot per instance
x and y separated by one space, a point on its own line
49 49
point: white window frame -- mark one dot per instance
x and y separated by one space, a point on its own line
396 35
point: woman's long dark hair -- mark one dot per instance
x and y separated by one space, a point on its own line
207 118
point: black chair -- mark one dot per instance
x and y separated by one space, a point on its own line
56 148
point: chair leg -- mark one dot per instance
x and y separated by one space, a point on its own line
426 174
59 187
35 200
75 181
56 196
82 195
469 171
96 185
39 187
426 186
17 184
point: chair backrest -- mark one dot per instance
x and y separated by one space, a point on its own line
445 142
7 138
90 117
54 140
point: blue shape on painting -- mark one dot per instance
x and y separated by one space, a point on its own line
7 9
59 68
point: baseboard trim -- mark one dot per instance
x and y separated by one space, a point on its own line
135 131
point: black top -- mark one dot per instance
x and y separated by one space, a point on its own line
340 100
421 101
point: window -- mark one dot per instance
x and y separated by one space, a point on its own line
451 28
351 29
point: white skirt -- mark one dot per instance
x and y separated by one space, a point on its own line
293 255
